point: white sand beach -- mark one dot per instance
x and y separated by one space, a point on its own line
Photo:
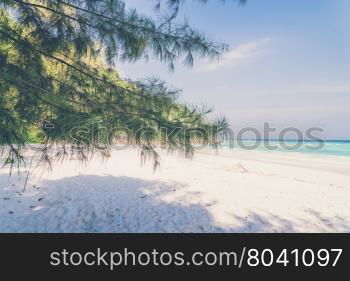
229 191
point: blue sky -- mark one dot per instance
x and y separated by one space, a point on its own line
288 63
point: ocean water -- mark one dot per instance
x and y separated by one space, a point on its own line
333 148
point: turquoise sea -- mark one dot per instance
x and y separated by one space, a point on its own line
330 147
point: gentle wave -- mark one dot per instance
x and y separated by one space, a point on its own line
336 148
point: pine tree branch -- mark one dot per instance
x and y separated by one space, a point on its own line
189 42
29 46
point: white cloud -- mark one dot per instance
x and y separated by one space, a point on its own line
319 89
236 55
333 88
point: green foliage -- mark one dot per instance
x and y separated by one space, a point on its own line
58 86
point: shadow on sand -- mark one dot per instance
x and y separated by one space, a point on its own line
90 203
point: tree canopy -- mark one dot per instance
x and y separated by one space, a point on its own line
59 87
